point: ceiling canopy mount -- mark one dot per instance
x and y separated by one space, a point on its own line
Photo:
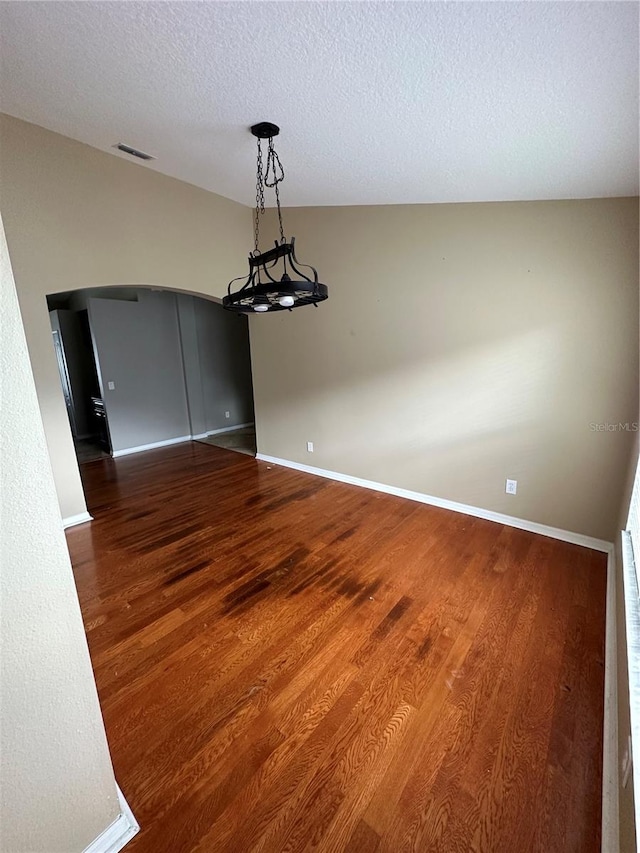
265 130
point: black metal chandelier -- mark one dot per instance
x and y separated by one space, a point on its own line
275 281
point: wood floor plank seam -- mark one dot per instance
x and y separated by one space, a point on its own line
287 663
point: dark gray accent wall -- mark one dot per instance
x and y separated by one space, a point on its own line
191 362
225 365
178 363
137 346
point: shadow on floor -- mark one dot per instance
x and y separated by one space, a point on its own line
241 440
88 450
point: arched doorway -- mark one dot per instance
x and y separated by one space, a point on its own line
144 367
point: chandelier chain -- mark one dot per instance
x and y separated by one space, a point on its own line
276 171
279 214
259 198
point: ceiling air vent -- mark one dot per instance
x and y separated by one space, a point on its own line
133 151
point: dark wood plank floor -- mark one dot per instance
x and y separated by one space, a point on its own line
286 663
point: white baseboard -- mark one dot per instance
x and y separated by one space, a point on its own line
226 429
128 450
72 520
119 833
180 440
477 512
610 777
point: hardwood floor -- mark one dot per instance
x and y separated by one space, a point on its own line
286 663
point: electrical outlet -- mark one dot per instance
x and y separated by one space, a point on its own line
512 487
309 447
625 764
111 386
227 414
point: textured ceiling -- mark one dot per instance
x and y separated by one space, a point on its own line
378 102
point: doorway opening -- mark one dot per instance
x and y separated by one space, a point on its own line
144 367
76 362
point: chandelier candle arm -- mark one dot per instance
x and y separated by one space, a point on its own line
268 285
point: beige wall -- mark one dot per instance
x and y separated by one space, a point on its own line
57 786
463 344
77 217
